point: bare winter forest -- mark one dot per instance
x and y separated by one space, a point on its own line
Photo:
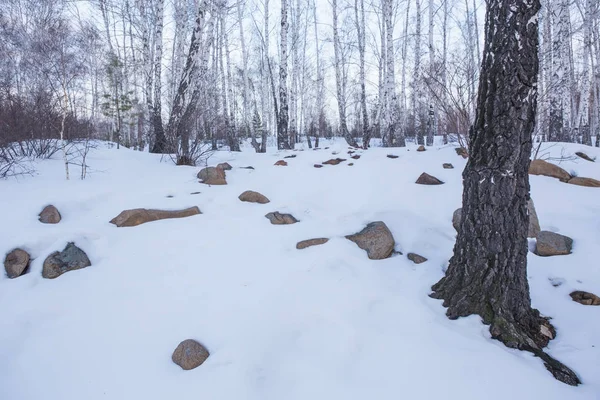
215 216
185 76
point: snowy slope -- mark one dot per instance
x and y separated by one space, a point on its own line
280 323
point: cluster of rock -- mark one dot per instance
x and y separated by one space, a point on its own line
17 261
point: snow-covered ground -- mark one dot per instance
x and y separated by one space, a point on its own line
280 323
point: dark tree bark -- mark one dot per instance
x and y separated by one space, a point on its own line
487 274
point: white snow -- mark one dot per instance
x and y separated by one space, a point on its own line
321 323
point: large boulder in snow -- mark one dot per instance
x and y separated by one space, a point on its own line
16 262
311 242
534 224
376 239
426 179
585 298
50 215
189 354
553 244
138 216
212 176
587 182
277 218
70 259
253 197
541 167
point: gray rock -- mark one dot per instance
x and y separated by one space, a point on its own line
277 218
311 242
190 354
447 166
50 215
16 262
138 216
253 197
581 154
376 239
534 222
585 298
212 176
71 258
456 216
553 244
417 259
224 166
541 167
426 179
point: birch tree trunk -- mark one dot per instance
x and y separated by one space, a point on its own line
245 90
584 107
444 68
320 80
359 16
420 119
560 97
487 275
339 79
403 95
160 140
282 114
268 80
432 117
232 140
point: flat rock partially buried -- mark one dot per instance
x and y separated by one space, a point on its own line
553 244
416 258
277 218
426 179
447 166
587 182
581 154
541 167
138 216
311 242
251 196
189 354
585 298
281 163
16 262
212 176
334 161
376 239
70 259
50 215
